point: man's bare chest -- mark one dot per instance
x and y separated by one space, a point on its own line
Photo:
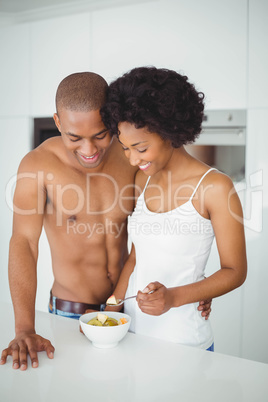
93 198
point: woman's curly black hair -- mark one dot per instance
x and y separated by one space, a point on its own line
161 100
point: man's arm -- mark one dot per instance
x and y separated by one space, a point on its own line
29 203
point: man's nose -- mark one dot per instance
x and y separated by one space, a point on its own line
88 148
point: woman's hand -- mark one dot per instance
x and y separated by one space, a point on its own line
156 303
160 300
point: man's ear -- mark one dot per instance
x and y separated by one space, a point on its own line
57 121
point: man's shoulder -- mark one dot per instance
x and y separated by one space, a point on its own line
44 156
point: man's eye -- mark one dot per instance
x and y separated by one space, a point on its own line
74 139
142 150
101 136
125 149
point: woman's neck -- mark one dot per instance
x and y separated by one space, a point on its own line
178 166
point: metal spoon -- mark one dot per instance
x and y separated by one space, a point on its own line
121 301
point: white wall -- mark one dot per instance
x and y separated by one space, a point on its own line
255 317
221 46
200 38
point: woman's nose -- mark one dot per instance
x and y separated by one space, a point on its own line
134 159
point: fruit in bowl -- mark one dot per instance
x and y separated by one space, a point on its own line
105 330
112 301
102 320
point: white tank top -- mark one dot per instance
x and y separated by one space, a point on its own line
172 248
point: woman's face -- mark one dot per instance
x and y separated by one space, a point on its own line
146 150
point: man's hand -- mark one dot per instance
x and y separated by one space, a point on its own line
24 344
205 307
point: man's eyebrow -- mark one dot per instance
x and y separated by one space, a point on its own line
102 131
73 135
78 136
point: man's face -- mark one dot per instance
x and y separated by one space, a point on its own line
84 135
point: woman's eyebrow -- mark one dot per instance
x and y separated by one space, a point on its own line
138 143
133 145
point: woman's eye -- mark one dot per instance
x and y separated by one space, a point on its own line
142 150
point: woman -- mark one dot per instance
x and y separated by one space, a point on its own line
182 204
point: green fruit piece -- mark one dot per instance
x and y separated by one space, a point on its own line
95 322
110 322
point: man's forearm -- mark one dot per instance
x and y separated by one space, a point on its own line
23 282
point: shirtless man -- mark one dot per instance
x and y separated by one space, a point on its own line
80 187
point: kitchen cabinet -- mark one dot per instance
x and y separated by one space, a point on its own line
258 54
15 70
59 47
254 323
205 42
256 154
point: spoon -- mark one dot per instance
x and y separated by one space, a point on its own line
119 302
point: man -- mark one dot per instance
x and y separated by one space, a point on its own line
80 188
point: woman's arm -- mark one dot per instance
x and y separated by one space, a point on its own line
122 283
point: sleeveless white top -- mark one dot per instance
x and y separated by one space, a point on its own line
172 248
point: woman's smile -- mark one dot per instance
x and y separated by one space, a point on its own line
144 167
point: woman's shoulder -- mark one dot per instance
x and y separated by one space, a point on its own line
217 179
218 189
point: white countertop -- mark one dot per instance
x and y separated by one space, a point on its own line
138 369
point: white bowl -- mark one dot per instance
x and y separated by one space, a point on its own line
104 337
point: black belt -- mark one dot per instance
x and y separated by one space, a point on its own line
75 307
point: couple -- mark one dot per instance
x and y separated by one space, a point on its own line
122 147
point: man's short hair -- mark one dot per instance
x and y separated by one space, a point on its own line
81 92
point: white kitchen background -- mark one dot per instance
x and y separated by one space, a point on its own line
223 48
